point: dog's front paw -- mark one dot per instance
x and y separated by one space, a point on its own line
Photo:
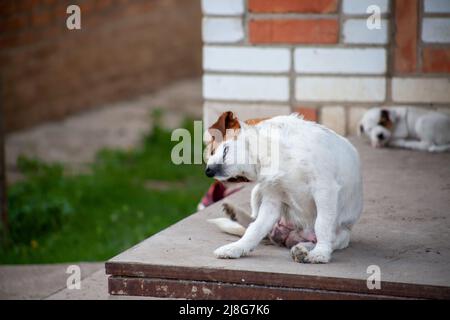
230 251
318 256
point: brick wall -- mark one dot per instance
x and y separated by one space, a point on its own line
269 57
124 48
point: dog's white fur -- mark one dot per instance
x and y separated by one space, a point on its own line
410 127
317 185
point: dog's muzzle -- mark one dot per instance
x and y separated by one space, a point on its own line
213 170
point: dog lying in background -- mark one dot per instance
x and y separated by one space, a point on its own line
407 127
316 186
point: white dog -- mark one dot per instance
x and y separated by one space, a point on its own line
313 180
407 127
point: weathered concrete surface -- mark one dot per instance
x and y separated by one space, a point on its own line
38 281
405 228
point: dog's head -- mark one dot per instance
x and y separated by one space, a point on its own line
378 124
227 150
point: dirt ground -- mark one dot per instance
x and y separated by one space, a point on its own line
75 141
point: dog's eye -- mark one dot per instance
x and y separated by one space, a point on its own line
361 128
225 151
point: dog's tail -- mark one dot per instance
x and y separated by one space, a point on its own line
237 221
228 226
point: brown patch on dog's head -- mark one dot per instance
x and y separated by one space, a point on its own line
226 122
385 120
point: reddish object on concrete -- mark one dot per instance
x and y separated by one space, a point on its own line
406 36
283 6
216 192
436 60
294 31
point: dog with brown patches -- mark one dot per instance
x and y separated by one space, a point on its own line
310 180
237 220
407 127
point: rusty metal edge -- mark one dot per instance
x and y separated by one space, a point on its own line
207 290
392 289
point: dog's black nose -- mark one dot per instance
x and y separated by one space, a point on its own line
209 172
380 136
213 170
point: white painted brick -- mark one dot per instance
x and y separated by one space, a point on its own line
355 114
437 6
358 89
428 90
356 31
249 59
223 7
340 60
246 88
212 110
222 30
360 6
333 117
436 30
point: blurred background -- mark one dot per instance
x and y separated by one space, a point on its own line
87 113
87 116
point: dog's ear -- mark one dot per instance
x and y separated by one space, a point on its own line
360 130
226 121
387 118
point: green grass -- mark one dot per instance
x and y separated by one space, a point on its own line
126 197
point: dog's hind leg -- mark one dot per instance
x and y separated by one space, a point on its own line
326 198
300 251
237 214
269 214
342 239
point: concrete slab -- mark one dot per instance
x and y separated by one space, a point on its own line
38 281
405 230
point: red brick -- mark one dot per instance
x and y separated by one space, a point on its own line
102 4
15 23
406 11
41 18
283 6
8 8
307 112
436 60
24 6
294 31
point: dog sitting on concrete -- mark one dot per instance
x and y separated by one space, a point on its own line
312 181
407 127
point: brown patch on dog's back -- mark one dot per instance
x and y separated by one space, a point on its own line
254 122
385 121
